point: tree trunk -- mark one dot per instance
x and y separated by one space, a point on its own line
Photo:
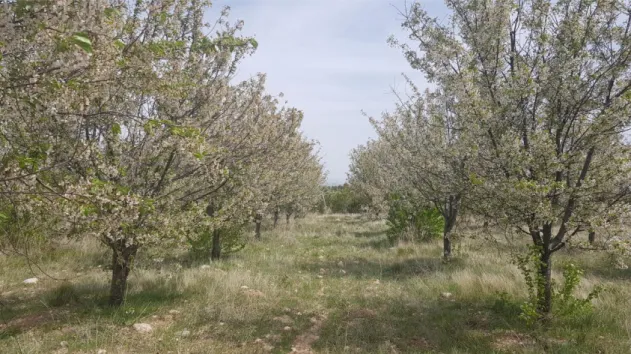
276 216
450 214
446 247
122 257
447 240
257 221
592 237
544 289
215 253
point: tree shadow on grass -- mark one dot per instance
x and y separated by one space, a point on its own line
186 258
605 270
374 239
380 324
379 243
610 273
370 234
374 325
347 219
68 303
362 268
436 325
598 263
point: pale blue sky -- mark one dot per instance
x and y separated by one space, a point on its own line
330 58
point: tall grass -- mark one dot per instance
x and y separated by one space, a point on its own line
324 284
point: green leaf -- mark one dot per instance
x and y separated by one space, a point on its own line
23 7
116 129
82 41
475 180
254 42
119 44
89 210
111 12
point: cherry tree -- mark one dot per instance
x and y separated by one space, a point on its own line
369 174
546 87
429 155
112 95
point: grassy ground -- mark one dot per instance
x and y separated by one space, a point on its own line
326 284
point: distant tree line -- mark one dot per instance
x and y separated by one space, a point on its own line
342 199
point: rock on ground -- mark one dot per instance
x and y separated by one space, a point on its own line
184 333
142 327
31 281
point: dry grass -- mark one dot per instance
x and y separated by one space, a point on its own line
326 284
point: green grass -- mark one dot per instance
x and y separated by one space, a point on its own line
333 280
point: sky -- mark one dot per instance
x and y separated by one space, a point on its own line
331 59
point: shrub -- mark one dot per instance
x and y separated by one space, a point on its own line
565 304
23 230
409 222
63 295
342 199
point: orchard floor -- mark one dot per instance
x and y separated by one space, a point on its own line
325 284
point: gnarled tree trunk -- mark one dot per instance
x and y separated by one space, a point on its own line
591 237
276 217
544 289
122 258
450 214
257 221
446 242
215 252
546 246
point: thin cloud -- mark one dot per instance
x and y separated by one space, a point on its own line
330 58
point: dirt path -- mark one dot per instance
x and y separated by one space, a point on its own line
302 344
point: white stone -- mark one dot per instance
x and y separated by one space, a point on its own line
31 281
101 351
184 333
142 327
446 295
